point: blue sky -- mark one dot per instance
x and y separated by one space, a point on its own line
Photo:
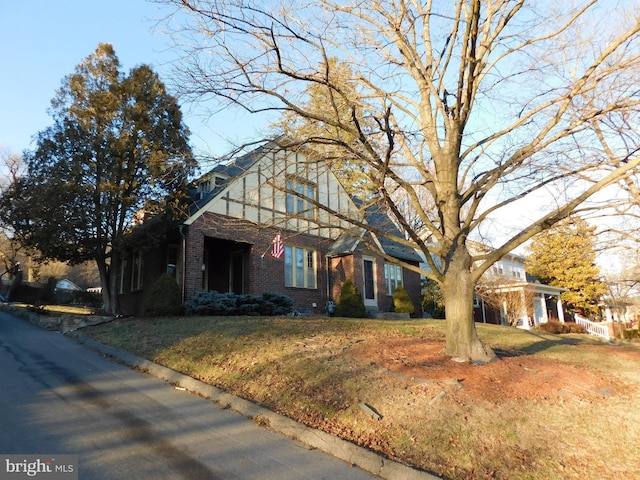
41 41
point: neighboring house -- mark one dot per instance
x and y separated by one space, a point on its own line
270 221
66 284
507 295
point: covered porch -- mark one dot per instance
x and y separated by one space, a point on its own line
522 304
225 266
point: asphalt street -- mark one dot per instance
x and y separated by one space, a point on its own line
58 397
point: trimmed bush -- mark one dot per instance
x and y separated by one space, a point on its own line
274 303
553 326
350 303
164 297
220 304
557 327
432 299
402 302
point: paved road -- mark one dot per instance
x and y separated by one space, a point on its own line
57 397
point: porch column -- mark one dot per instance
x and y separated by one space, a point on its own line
560 310
524 318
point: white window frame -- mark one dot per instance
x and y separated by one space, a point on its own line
123 273
301 267
172 260
393 277
137 271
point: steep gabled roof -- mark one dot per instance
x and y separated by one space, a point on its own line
346 243
381 223
231 170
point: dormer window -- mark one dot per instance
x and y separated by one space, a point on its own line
204 186
210 182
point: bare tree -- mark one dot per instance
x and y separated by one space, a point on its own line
11 167
463 110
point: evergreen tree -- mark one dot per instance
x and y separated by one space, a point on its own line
165 297
335 102
117 147
350 303
402 301
565 257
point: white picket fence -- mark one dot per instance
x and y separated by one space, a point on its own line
599 329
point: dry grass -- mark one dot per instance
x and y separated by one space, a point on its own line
308 369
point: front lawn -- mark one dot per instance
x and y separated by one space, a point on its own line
550 407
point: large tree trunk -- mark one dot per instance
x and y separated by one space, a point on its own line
463 344
107 283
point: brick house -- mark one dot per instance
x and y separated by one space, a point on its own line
242 207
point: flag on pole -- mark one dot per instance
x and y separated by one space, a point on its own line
277 247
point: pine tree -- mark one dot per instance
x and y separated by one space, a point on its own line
565 257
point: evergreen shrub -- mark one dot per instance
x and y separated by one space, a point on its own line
165 297
350 303
220 304
402 302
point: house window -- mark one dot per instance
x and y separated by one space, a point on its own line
497 269
299 267
123 271
172 260
204 187
136 271
392 277
296 203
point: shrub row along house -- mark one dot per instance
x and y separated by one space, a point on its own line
273 220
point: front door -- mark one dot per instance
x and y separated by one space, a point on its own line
236 273
369 279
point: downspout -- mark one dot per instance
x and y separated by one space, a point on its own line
184 261
326 261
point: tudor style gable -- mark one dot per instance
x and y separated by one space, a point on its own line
278 188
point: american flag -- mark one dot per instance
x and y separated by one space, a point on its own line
277 247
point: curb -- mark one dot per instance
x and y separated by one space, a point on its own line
337 447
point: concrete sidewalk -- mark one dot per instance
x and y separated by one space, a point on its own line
337 447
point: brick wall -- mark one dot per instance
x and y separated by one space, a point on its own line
262 271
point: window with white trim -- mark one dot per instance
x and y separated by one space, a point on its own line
299 267
497 269
517 272
172 260
123 272
137 265
296 204
392 277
